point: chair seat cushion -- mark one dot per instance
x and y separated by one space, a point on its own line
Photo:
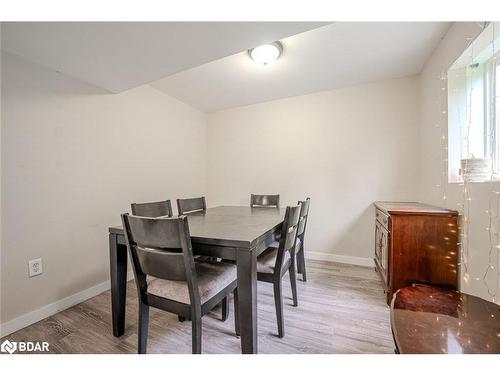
276 244
212 278
266 261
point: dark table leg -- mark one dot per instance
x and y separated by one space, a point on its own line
247 299
118 270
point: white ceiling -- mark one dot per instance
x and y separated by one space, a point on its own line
118 56
205 64
332 56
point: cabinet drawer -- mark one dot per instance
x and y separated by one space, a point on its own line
382 218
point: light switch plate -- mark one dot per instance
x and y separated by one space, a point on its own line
35 267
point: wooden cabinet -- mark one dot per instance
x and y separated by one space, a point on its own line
415 242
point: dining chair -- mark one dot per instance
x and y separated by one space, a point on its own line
152 209
274 263
168 277
191 205
301 230
164 209
257 200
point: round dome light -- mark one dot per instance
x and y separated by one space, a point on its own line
267 53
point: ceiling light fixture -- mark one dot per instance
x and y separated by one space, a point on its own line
267 53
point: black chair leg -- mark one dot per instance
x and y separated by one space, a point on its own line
278 301
302 261
143 328
298 262
236 313
196 334
293 283
225 309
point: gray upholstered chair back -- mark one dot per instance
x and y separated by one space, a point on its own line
191 205
152 209
160 247
288 235
304 212
264 200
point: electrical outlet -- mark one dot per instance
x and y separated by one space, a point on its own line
35 267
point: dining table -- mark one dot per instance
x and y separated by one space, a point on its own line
235 233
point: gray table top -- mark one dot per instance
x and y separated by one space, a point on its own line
231 225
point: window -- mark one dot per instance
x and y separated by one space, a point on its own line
474 110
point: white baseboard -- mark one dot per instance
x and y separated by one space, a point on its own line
358 261
44 312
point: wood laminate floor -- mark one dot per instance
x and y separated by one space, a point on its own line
341 310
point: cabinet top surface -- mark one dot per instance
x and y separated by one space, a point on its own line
411 208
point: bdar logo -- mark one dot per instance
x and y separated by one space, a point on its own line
24 346
9 347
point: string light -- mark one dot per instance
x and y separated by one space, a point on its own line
464 250
491 275
493 213
443 141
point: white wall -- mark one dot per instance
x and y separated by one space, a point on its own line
344 148
73 158
433 101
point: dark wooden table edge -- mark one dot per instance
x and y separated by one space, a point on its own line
118 230
393 326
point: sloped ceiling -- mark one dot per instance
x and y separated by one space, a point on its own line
206 64
118 56
337 55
